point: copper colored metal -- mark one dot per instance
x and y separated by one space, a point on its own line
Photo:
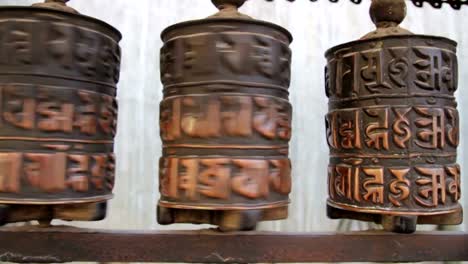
393 126
225 121
58 75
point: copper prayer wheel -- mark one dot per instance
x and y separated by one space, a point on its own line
393 126
58 75
225 121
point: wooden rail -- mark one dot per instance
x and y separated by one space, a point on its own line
66 244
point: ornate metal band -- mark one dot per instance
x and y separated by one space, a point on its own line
58 201
227 207
387 211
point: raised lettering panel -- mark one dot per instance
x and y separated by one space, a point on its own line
392 71
10 172
402 188
32 111
41 176
377 128
225 180
388 130
222 56
349 132
372 72
434 69
33 47
225 119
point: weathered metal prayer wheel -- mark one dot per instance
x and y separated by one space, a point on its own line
225 121
58 75
393 127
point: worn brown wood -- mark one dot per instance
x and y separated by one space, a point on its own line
70 244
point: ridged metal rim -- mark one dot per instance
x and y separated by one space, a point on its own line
228 20
72 15
222 207
392 211
412 36
58 201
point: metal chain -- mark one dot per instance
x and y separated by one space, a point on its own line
455 4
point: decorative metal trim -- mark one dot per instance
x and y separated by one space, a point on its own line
455 4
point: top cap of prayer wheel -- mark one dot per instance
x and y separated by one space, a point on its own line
57 5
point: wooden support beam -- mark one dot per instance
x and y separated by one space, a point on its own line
66 244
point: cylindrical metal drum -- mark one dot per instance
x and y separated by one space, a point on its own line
393 127
225 121
58 75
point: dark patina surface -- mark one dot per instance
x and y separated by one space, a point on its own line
58 75
393 126
225 121
66 244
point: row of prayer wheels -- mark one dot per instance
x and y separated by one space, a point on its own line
392 126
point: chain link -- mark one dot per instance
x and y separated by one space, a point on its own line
455 4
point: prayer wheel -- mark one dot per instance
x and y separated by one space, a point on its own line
58 75
393 126
225 121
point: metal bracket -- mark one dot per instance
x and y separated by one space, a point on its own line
67 244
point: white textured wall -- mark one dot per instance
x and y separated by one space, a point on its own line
315 27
